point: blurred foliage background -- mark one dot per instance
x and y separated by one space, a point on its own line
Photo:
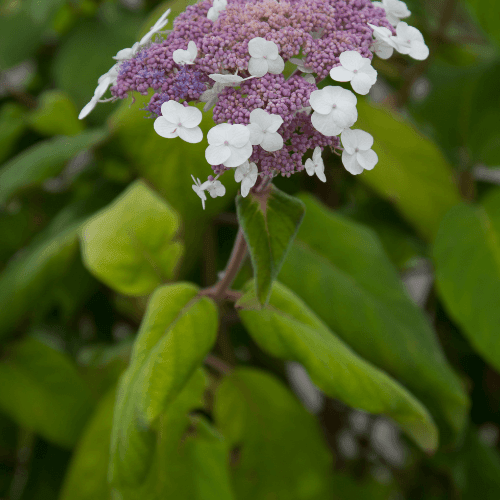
412 246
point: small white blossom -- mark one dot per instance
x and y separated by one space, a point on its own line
355 69
247 174
179 121
158 26
357 154
103 84
394 10
188 56
217 7
265 57
334 110
229 145
316 165
228 79
300 65
214 187
263 130
309 78
210 96
383 44
409 40
125 54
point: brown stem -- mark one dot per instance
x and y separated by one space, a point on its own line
217 364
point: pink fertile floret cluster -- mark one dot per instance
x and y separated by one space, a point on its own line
319 30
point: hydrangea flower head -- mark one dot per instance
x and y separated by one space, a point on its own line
231 54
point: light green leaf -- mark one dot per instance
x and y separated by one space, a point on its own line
56 114
339 268
280 450
411 172
42 391
43 160
269 220
129 246
12 126
467 258
176 334
86 478
288 329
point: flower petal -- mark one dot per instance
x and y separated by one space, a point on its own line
309 166
272 51
272 142
321 101
241 171
87 109
239 135
364 140
367 159
362 83
345 118
325 124
276 122
171 111
419 51
217 154
166 129
225 78
350 163
351 60
218 134
257 67
238 155
257 47
192 50
190 116
246 184
340 74
349 141
275 66
260 117
256 133
320 172
192 135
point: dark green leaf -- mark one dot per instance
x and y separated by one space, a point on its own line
467 259
411 172
288 329
176 334
12 125
487 13
342 272
129 246
269 220
42 391
43 160
279 444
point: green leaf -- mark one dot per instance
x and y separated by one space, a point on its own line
487 13
467 259
56 114
42 161
12 126
29 276
339 268
269 220
42 391
176 334
411 172
86 478
129 246
280 449
288 329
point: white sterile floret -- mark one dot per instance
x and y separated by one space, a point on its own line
300 65
316 165
247 174
263 130
265 57
409 40
103 84
179 121
188 56
217 7
125 54
229 145
214 187
334 110
357 154
355 69
158 26
383 44
394 10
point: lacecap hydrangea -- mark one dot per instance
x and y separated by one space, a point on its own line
231 54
